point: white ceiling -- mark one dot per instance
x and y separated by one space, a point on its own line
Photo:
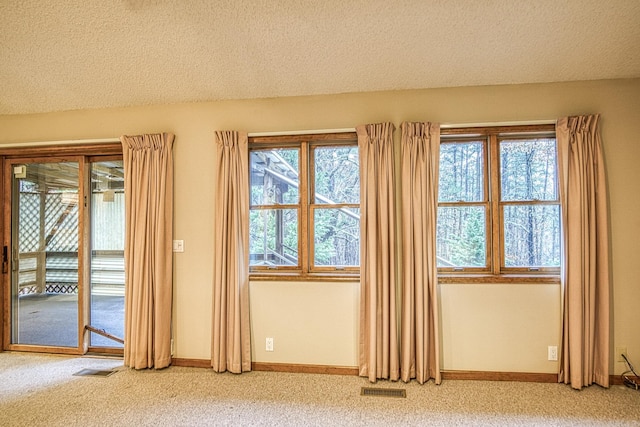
74 54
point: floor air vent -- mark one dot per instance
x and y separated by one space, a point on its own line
383 392
93 373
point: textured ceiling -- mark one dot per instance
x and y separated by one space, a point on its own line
74 54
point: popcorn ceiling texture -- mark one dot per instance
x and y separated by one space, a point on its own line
76 54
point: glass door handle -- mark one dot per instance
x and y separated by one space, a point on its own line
5 260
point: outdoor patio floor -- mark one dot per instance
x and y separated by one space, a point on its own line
52 320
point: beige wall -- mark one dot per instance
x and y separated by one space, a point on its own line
484 327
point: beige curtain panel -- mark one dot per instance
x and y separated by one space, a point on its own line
586 268
231 341
148 166
379 353
419 341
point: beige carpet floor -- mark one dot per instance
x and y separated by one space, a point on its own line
41 390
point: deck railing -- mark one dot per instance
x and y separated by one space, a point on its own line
57 272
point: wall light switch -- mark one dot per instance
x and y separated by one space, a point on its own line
178 246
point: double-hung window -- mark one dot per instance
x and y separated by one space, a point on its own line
499 210
304 205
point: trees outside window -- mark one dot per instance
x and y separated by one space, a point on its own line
499 211
304 207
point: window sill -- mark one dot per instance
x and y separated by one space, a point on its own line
442 279
499 279
297 277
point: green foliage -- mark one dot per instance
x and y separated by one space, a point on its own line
461 237
336 175
528 179
336 237
531 230
275 181
461 172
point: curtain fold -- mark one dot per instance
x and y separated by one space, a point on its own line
585 268
379 353
419 341
231 341
148 166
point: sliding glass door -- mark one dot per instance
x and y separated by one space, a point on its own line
45 273
64 249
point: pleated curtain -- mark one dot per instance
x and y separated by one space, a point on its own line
231 340
586 266
148 181
420 159
379 353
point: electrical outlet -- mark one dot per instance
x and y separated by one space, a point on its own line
552 352
619 352
269 344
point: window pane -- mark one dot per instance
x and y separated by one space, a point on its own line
336 237
337 175
107 251
461 172
273 237
274 176
528 170
461 238
45 279
532 236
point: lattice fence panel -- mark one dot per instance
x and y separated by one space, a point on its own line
29 226
62 288
61 224
60 237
